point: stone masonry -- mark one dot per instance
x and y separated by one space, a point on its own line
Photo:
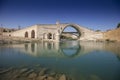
52 32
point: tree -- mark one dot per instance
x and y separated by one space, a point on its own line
97 30
118 26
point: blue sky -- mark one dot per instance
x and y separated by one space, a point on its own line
93 14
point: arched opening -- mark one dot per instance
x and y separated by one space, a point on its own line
33 34
49 36
4 30
26 34
70 32
9 34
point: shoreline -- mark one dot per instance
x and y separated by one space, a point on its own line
14 40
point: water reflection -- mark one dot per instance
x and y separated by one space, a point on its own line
69 49
26 47
81 60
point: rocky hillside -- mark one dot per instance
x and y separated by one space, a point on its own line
112 35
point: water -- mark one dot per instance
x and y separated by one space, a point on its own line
78 60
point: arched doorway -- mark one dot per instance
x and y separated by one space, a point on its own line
26 34
70 32
49 36
32 34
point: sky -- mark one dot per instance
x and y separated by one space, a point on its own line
93 14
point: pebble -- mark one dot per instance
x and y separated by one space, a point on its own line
51 78
23 70
32 75
41 77
28 72
62 77
42 72
52 73
6 70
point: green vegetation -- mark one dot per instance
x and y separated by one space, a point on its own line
118 26
98 30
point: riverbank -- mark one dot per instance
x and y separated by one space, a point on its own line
14 40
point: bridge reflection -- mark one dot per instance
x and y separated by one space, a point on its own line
52 49
68 49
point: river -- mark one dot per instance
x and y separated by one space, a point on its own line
77 59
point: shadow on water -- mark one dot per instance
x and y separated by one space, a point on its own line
80 60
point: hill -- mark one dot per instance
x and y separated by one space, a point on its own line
112 35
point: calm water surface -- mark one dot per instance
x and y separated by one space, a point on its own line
79 60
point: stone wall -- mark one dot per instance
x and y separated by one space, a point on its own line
21 33
47 30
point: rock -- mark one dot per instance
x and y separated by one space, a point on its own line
32 75
15 76
51 78
94 77
6 70
37 65
57 76
21 78
42 72
41 77
28 72
52 74
23 70
62 77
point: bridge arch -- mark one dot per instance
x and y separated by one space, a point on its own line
49 35
33 34
26 34
76 27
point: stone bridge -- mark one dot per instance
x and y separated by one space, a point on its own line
52 32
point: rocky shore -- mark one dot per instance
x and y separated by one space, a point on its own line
25 73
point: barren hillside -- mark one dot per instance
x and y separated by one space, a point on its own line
112 34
